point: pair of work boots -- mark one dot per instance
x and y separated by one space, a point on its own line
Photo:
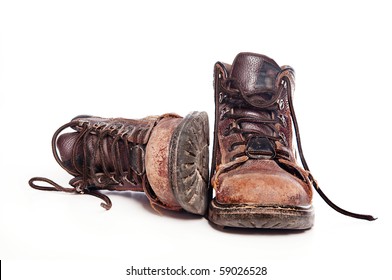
254 174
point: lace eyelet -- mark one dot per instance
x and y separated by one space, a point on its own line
130 180
79 188
234 124
283 83
100 179
221 97
282 118
100 126
223 111
124 133
283 137
84 123
115 180
280 104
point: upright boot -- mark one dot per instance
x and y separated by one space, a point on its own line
164 156
256 178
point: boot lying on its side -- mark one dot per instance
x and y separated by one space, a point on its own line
164 156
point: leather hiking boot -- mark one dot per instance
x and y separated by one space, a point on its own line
256 178
164 156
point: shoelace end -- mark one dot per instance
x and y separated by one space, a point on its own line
369 218
106 206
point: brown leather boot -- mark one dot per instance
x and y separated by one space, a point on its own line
164 156
256 178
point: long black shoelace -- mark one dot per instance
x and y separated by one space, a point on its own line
269 104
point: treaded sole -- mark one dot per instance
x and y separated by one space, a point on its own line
257 216
188 161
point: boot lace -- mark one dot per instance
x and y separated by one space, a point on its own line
269 102
112 175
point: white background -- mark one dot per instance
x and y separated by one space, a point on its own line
59 59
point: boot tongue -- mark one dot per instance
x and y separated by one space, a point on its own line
254 72
255 75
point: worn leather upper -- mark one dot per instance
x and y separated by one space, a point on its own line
135 132
254 158
111 154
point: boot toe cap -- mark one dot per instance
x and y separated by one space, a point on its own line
272 188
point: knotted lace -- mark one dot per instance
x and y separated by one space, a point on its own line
268 102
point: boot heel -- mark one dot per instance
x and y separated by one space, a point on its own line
188 162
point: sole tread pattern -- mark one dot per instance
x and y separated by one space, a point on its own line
258 216
188 161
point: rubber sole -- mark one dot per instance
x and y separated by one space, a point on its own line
188 163
257 216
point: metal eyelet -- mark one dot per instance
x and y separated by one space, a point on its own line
100 179
280 104
83 123
223 111
221 97
79 188
234 125
114 180
284 84
283 137
282 118
129 180
99 125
